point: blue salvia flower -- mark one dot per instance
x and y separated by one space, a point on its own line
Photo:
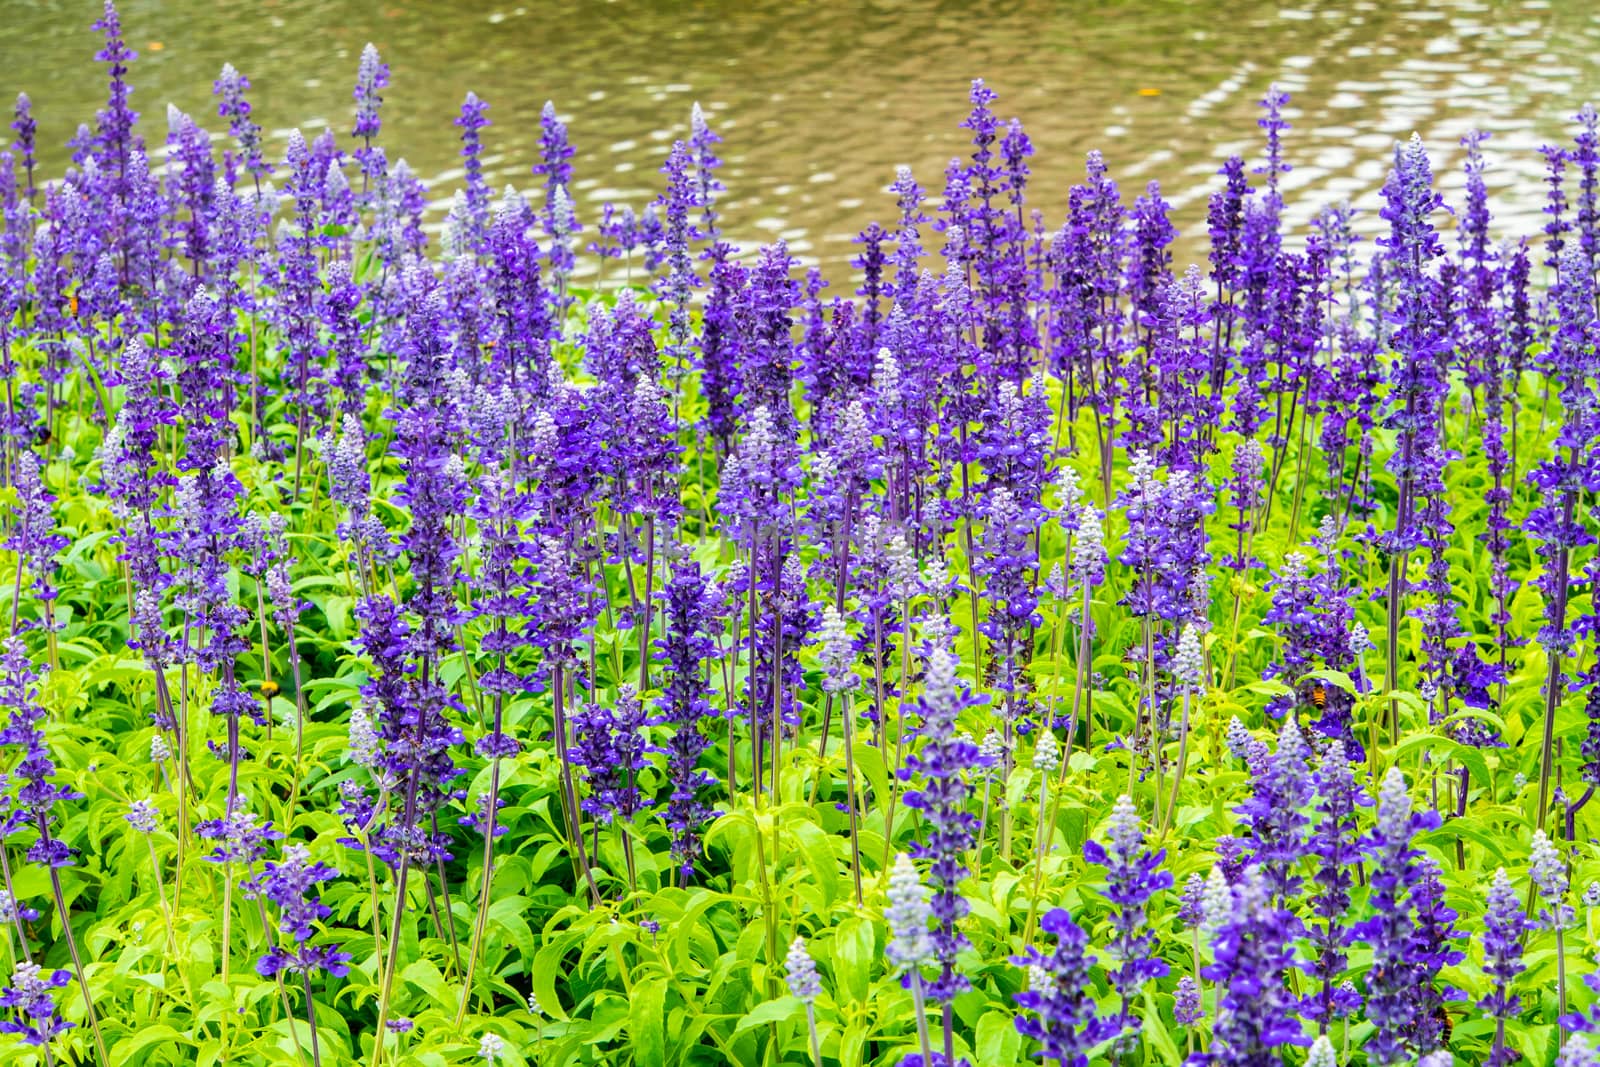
1577 1052
1252 952
291 885
229 88
907 915
1058 1008
35 1017
941 767
33 537
1503 927
1187 1008
805 984
1392 1002
1433 948
687 642
114 139
34 805
1280 789
372 77
1549 874
609 744
555 166
26 130
702 145
472 121
1133 877
1335 846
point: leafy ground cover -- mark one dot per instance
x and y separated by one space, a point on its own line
420 649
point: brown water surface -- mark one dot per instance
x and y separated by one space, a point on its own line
819 102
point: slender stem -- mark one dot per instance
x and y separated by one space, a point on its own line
393 957
922 1015
161 891
72 949
568 789
480 925
846 717
311 1018
1177 774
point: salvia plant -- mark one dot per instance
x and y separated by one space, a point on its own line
568 637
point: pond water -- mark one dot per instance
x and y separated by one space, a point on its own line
818 103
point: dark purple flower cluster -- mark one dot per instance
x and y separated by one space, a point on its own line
685 649
609 744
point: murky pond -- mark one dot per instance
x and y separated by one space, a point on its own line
817 103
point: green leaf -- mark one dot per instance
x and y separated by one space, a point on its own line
853 1045
647 1022
999 1043
773 1011
817 847
854 948
130 1048
546 965
1156 1030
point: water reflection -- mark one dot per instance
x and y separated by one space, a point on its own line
817 104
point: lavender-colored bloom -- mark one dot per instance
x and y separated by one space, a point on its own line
1187 1007
555 166
1334 844
1585 154
32 536
1577 1052
1280 787
1274 124
702 142
372 77
1433 948
1549 874
1088 549
805 984
676 205
608 743
114 139
33 806
1416 381
837 652
1393 1000
471 121
26 130
232 105
142 816
907 915
1191 905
